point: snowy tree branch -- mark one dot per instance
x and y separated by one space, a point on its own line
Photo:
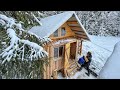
36 51
36 18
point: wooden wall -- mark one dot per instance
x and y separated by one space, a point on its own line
69 32
62 62
53 64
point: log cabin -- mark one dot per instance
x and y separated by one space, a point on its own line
67 33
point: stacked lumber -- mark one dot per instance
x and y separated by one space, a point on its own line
72 69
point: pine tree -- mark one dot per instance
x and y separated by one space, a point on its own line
21 52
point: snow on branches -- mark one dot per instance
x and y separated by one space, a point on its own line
36 18
17 44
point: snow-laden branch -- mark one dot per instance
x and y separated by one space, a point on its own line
10 22
36 18
8 52
36 51
40 14
43 40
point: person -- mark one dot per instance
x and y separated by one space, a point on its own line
88 61
85 62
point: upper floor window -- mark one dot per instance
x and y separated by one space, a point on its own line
60 32
56 33
63 31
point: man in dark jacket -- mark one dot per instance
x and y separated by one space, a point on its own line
87 64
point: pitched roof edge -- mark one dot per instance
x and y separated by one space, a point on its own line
58 25
82 26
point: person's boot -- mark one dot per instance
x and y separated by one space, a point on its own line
79 69
93 68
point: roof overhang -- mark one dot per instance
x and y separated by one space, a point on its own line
52 23
77 27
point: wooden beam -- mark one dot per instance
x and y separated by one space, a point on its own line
72 22
83 37
77 47
81 34
78 31
63 43
51 60
47 67
55 74
81 47
44 71
64 38
75 28
72 26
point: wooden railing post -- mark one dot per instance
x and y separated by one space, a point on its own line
81 47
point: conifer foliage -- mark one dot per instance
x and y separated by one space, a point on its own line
21 51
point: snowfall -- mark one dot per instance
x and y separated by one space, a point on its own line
101 48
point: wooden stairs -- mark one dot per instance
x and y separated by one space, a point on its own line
72 69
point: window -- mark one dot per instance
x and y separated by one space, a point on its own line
56 33
58 52
63 31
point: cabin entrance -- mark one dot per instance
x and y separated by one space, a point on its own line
64 57
72 51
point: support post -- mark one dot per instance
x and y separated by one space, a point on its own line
81 47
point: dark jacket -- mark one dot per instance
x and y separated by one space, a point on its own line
89 60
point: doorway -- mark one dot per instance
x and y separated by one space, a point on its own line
73 51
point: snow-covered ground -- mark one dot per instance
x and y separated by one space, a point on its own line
111 69
101 48
79 75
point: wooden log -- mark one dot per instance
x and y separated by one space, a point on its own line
67 56
47 67
76 55
81 47
44 72
55 74
78 31
72 22
75 28
81 34
73 25
82 37
51 60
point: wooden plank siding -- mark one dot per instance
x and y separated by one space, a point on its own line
69 32
62 63
51 60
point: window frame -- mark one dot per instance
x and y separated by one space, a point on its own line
58 56
57 33
63 28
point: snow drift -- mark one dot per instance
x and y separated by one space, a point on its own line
111 69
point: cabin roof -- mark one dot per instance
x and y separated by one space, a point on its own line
52 23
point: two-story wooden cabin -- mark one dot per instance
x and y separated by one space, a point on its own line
67 33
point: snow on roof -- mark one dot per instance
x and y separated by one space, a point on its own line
52 23
111 69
